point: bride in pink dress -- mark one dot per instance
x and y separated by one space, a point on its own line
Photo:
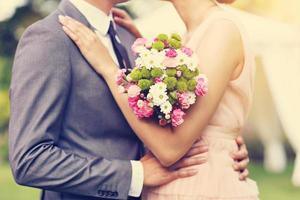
219 40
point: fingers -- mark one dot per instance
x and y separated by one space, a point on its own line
121 22
79 33
73 36
117 12
244 175
240 141
242 165
184 173
197 150
240 154
73 26
189 162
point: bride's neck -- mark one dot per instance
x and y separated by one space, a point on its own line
192 12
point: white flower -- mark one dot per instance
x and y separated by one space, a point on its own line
166 108
192 63
121 89
160 98
191 98
158 88
158 93
140 103
182 58
168 116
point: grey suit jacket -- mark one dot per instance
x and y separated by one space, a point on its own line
67 135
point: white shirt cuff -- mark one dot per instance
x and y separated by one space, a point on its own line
137 179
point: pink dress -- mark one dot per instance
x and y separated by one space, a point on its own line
216 179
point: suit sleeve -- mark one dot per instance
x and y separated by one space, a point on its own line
39 92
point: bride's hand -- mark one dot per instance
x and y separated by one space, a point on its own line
90 46
122 18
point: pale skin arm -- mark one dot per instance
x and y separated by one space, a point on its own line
167 144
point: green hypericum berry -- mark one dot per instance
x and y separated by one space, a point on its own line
176 37
156 72
170 82
188 74
191 84
136 74
171 100
175 43
183 79
158 45
145 73
181 86
182 68
173 95
162 37
145 84
196 72
171 72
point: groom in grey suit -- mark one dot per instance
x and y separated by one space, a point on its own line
67 135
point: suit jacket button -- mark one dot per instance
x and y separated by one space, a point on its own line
110 193
101 193
115 194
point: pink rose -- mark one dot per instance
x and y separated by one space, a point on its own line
187 51
202 86
144 110
170 62
177 117
139 45
120 76
157 80
183 100
134 91
171 53
132 101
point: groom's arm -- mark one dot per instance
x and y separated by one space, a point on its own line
39 91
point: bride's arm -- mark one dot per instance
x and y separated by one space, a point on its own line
219 54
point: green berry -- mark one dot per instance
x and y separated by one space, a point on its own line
173 95
145 84
182 68
135 74
191 84
156 72
188 74
183 79
145 73
196 72
181 86
158 45
162 37
170 82
171 72
176 37
172 101
175 43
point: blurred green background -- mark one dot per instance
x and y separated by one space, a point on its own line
16 15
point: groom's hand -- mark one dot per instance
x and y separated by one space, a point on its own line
241 158
155 174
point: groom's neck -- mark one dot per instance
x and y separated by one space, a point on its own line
104 5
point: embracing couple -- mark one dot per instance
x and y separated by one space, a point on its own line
73 135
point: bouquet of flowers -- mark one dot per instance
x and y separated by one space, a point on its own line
165 81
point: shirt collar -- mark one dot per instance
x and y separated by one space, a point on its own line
96 17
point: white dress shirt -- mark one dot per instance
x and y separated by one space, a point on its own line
100 21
